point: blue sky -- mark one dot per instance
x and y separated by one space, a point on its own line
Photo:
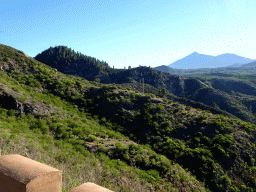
131 33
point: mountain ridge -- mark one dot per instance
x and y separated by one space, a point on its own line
196 60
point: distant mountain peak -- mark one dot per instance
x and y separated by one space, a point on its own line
199 55
196 60
194 53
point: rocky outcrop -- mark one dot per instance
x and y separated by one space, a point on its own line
22 104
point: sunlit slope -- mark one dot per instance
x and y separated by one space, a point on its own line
217 150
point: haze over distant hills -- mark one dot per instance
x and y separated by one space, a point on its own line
196 60
251 64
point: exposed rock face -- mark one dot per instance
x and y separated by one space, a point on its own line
10 99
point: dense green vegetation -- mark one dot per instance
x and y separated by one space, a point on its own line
177 147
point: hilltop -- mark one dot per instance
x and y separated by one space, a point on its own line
162 140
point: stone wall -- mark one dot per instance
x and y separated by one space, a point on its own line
21 174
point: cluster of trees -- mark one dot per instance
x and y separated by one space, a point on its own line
62 56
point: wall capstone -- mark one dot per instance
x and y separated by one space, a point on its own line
21 174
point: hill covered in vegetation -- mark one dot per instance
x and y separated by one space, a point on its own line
118 137
232 93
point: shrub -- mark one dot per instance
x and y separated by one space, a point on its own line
126 156
139 158
24 99
5 134
148 116
38 131
224 139
103 119
184 113
13 135
65 135
11 112
160 106
40 124
154 173
54 126
102 149
100 142
92 138
166 124
82 149
203 116
77 131
179 125
146 160
104 87
44 129
60 128
197 139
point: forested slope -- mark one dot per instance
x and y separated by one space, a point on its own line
175 145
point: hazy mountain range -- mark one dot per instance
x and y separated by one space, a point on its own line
196 60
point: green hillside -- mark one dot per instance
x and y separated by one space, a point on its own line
118 138
222 91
